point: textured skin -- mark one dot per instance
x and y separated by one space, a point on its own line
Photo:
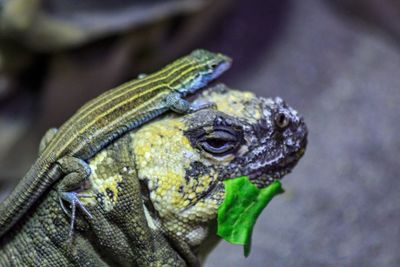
104 119
156 190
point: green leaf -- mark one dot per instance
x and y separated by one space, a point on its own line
240 209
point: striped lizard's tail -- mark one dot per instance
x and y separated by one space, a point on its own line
39 177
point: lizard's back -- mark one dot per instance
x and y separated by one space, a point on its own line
101 121
81 136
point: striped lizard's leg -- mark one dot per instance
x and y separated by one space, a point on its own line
182 106
46 139
76 173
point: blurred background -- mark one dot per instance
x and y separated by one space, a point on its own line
336 61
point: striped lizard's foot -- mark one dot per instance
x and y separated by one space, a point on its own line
76 172
179 105
73 199
209 105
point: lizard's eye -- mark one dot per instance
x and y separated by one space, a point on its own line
281 120
218 142
214 65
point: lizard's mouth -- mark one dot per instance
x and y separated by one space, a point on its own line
265 175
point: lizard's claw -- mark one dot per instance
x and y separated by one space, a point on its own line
73 199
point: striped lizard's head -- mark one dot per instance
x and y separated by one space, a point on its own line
198 68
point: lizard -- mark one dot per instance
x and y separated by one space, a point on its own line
156 189
102 120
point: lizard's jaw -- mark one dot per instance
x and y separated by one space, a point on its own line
264 176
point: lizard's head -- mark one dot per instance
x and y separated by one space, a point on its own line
264 139
184 159
281 142
199 68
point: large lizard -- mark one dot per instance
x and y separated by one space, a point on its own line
103 120
156 190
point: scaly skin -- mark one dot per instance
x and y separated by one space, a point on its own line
104 119
156 190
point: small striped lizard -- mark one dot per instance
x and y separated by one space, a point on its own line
64 152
